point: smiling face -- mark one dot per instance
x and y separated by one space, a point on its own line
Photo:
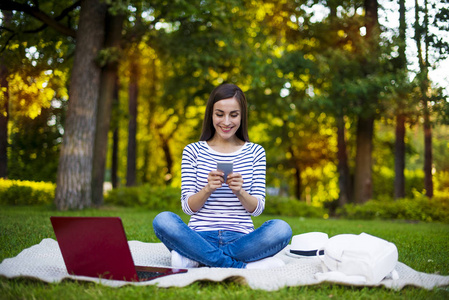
226 118
226 98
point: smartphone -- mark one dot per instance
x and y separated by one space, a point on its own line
225 167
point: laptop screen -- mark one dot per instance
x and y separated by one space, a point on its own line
95 247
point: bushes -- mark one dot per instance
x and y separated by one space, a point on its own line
157 198
419 208
292 208
167 198
16 192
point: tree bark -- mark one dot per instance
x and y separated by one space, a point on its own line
344 179
4 116
297 165
399 157
74 177
423 77
298 185
169 161
363 185
115 142
107 88
399 154
428 180
150 121
4 106
132 125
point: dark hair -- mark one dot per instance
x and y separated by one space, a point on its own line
225 91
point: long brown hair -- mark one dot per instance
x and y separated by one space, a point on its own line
225 91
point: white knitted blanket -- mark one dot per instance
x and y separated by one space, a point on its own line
44 262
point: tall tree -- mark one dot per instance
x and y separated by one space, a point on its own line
363 185
344 175
110 57
133 92
338 95
422 33
74 189
399 153
134 56
4 107
115 136
4 115
430 27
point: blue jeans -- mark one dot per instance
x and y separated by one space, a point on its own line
222 248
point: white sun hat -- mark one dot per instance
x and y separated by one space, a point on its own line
307 244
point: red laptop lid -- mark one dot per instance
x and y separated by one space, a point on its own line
95 247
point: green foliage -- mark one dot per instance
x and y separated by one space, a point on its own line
383 178
35 145
292 208
15 192
416 208
297 71
168 198
419 208
108 55
146 196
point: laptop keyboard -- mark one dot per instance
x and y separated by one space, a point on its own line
145 275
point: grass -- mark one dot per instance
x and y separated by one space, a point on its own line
422 246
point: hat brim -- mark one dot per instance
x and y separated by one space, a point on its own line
302 253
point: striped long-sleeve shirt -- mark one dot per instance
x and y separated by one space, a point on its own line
222 210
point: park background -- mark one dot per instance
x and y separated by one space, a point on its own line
349 99
101 95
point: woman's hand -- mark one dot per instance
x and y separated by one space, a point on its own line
214 180
235 183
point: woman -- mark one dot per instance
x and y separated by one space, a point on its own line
220 232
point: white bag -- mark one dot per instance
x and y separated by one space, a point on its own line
358 256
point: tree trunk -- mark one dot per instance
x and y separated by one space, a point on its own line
169 161
424 83
107 88
372 22
363 185
362 180
4 116
114 158
151 106
74 177
115 141
132 126
296 164
298 186
344 179
4 106
146 162
428 181
399 153
399 157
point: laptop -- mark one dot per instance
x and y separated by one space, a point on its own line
98 247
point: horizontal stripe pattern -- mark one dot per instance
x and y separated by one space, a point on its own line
223 210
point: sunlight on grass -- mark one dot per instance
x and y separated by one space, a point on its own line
420 246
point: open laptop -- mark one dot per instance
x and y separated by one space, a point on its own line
98 247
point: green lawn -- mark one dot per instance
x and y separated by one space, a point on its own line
422 246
